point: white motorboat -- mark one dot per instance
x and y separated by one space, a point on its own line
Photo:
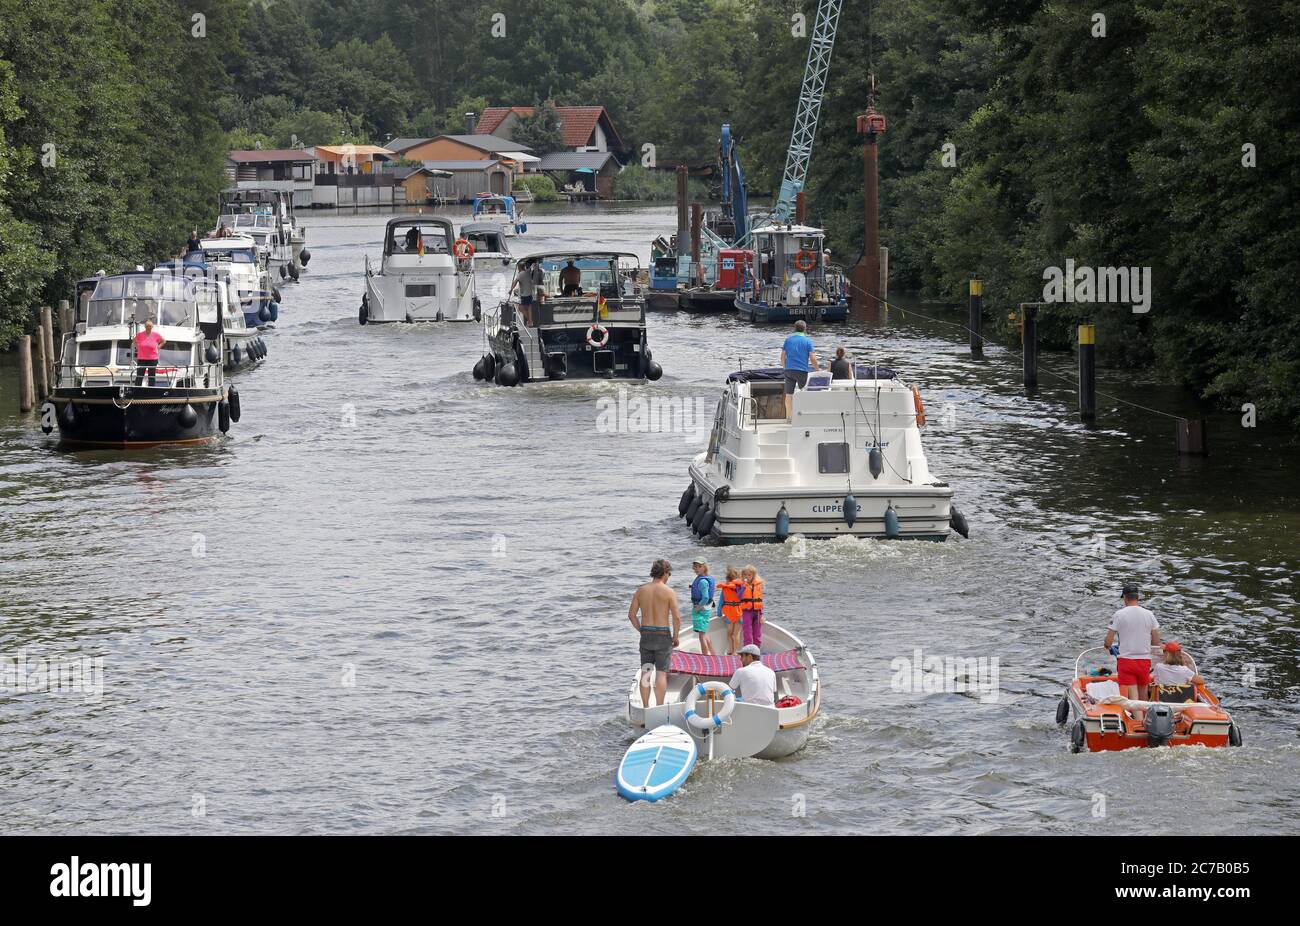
747 729
501 211
239 257
493 270
420 277
266 216
849 462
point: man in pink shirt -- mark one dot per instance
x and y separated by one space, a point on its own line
147 343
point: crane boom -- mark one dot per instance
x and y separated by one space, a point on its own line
810 105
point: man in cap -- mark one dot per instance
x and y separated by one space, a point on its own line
1136 630
702 589
754 682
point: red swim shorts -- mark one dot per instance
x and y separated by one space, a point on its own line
1133 671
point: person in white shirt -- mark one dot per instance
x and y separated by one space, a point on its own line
754 682
1137 631
1173 672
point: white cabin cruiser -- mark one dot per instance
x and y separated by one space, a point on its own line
266 216
850 463
420 278
501 211
493 270
746 729
238 257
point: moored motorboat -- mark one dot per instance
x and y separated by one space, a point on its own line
104 397
792 278
240 260
421 276
849 462
1105 720
749 729
265 215
595 329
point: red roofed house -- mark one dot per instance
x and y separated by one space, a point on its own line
288 169
585 128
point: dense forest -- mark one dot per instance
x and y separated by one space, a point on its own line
1022 133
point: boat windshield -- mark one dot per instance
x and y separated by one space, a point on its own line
167 300
409 239
234 255
491 242
608 275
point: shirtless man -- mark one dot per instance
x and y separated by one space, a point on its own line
656 602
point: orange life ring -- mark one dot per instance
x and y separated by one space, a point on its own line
920 407
463 249
805 260
592 341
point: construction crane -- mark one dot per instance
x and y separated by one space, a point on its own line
810 105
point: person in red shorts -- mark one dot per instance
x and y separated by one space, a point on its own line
1132 632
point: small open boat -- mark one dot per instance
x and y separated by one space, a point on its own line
1106 721
750 729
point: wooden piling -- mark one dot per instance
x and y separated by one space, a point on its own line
26 387
47 339
1029 337
66 323
41 368
1087 372
976 324
884 273
1190 435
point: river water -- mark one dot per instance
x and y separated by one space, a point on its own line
393 601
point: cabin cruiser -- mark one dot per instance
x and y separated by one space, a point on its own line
425 274
242 344
239 257
267 217
500 211
492 264
791 278
1105 720
849 462
102 397
697 693
590 328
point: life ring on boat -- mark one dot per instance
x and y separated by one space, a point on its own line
920 407
805 260
592 340
718 719
463 249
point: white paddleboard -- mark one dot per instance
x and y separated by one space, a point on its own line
656 764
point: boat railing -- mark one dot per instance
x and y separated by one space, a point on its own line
165 377
747 413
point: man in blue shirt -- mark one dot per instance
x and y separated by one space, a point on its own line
796 357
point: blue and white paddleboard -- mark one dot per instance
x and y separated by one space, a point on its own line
656 765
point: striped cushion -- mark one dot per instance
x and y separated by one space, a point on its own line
725 666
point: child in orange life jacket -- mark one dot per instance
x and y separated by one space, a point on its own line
729 606
751 604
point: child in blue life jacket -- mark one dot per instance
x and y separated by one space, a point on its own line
702 589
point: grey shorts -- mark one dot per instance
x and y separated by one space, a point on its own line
656 647
795 378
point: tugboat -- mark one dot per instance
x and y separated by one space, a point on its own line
792 278
426 275
500 211
104 398
849 463
241 261
592 327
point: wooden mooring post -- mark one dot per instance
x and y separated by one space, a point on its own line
1087 372
1190 434
41 368
1029 342
26 387
66 323
47 340
976 325
697 220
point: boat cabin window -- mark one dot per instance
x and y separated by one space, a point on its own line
490 242
833 458
406 239
175 354
94 353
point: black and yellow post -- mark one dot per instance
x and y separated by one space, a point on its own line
1087 372
976 318
1029 342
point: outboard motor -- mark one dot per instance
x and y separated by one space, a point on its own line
1160 724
